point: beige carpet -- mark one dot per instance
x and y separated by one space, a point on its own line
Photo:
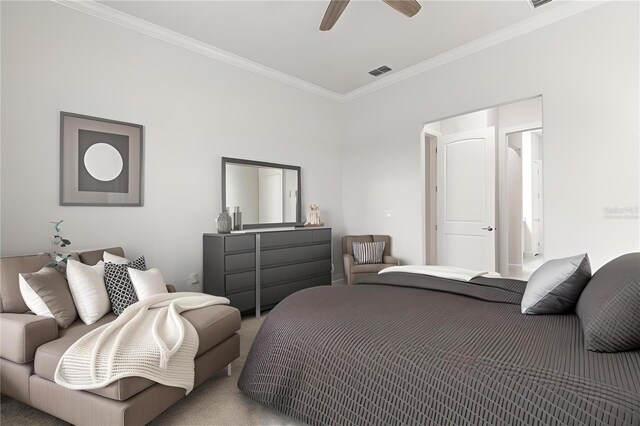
216 402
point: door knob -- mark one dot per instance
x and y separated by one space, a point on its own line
488 228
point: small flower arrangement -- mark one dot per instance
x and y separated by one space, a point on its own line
58 260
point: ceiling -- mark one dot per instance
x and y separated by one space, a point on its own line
284 35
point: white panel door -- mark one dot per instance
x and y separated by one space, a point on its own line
466 199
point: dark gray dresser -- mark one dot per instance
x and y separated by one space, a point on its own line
256 270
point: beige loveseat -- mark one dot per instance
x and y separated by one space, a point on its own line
31 347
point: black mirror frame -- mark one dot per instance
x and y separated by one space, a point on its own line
229 160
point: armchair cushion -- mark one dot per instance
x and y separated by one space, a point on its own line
22 334
369 268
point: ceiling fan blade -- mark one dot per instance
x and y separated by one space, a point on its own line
406 7
335 9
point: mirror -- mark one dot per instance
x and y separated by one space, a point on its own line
267 194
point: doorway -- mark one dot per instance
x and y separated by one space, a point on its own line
472 177
525 202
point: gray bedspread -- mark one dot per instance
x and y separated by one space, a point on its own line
405 349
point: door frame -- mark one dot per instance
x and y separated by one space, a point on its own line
428 181
502 212
500 158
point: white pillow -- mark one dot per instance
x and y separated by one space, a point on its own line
147 283
88 290
112 258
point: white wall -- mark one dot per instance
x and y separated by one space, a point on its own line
195 110
586 68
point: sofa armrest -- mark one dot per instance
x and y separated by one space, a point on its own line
171 288
391 260
22 334
348 266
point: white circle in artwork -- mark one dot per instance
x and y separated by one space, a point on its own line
103 162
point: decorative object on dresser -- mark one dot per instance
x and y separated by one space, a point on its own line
100 161
237 219
353 271
313 218
256 270
268 194
223 222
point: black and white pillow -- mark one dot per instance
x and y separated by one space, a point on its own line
367 253
119 285
555 287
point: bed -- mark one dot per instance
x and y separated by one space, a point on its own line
415 350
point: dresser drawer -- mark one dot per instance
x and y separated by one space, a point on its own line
285 238
322 280
321 235
233 262
234 283
239 242
294 254
278 274
243 301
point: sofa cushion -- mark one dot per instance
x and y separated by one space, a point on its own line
94 256
10 267
88 290
47 294
119 285
214 324
23 333
48 356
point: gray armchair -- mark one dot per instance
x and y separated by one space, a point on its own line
352 272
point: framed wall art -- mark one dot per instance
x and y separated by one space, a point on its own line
101 161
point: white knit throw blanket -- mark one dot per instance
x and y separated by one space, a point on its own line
441 271
149 339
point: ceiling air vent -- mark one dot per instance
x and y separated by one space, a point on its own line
383 69
537 3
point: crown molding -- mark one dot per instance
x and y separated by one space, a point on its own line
112 15
99 10
566 10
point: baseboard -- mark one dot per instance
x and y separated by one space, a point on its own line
338 281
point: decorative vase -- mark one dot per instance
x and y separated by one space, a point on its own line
237 219
224 223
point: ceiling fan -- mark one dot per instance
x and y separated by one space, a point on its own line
336 7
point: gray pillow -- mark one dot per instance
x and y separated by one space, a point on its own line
554 288
609 308
47 294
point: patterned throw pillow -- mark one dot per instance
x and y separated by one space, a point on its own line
366 253
119 285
